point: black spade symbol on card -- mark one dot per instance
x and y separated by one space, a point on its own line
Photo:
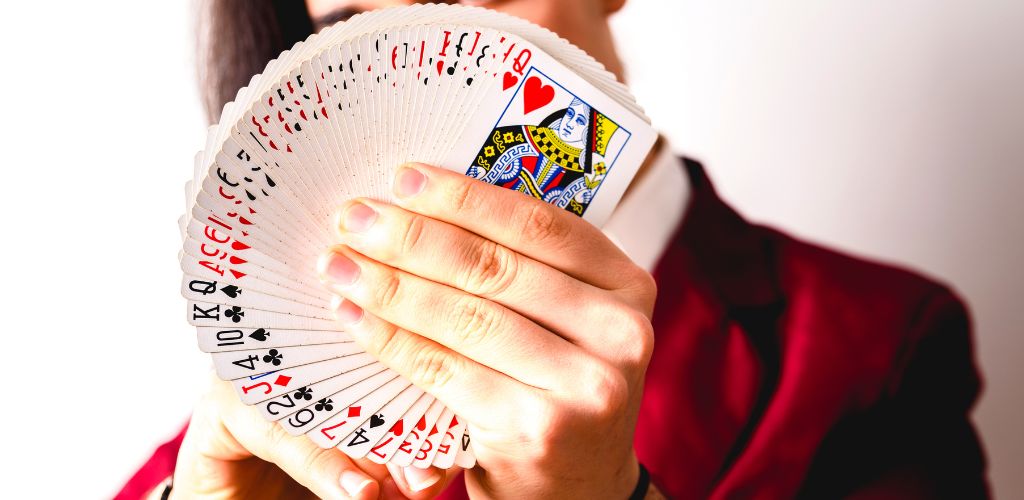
376 421
231 291
260 334
465 441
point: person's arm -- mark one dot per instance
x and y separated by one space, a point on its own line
654 493
933 449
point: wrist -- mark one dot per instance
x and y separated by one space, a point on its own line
629 476
162 490
643 483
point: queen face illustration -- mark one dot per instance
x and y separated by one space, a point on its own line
559 160
572 127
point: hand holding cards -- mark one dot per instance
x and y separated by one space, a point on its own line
470 90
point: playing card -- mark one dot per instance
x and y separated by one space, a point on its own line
347 403
213 339
293 401
425 456
331 119
329 433
264 386
360 441
425 427
237 364
448 447
389 442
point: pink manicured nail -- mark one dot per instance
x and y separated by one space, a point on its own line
338 268
359 217
409 182
347 312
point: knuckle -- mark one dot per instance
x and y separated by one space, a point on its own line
385 344
539 222
275 441
463 196
641 285
545 422
387 290
432 368
493 268
638 335
474 321
412 233
604 391
318 459
648 287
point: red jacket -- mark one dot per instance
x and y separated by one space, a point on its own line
783 370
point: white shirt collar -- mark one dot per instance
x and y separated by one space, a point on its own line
645 220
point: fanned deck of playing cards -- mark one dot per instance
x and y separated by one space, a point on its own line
468 89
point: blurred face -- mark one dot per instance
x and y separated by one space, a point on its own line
582 22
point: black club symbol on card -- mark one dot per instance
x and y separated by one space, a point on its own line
234 313
324 405
273 357
304 393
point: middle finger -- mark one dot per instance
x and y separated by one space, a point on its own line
451 255
479 329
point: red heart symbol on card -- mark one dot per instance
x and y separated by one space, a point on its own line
440 66
536 95
510 80
398 428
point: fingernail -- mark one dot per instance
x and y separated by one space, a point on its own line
338 268
421 479
409 182
353 482
347 312
358 217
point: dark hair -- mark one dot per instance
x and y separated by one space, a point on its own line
236 40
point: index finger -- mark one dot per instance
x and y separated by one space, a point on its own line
524 224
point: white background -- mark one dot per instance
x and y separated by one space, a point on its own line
891 129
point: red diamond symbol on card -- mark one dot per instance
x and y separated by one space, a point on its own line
433 431
455 421
353 411
283 380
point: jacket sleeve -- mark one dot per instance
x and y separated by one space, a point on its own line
159 466
933 450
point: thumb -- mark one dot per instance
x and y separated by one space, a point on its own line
420 484
328 473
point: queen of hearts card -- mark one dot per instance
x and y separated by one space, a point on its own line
558 148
